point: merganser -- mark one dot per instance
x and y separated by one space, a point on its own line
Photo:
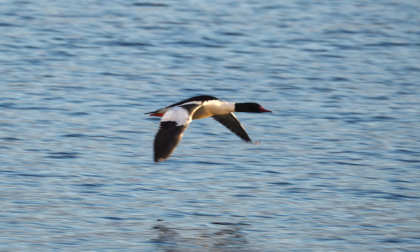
177 117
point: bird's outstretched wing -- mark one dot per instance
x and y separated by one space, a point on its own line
172 126
231 122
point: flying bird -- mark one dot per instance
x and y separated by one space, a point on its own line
177 117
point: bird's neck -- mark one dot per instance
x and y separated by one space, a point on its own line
241 107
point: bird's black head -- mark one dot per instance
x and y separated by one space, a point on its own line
250 107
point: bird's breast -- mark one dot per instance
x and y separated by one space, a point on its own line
214 107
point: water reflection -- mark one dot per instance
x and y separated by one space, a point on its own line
219 236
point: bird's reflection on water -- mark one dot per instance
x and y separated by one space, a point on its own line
221 236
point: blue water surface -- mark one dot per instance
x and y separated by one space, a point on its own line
337 167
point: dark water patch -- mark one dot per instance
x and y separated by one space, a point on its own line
341 31
235 67
329 239
246 187
63 54
406 152
392 240
396 196
234 34
63 155
77 114
392 44
113 218
330 55
35 175
37 149
245 52
75 135
192 90
378 97
69 87
323 89
129 131
354 120
107 105
303 41
280 183
205 214
7 105
90 185
12 173
17 107
129 44
272 172
229 223
243 196
348 47
142 189
105 138
112 74
205 162
380 194
262 216
339 79
196 44
401 181
171 189
314 50
150 4
312 78
225 89
413 160
3 24
346 163
297 190
156 27
383 118
410 69
10 139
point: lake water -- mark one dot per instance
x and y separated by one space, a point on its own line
337 168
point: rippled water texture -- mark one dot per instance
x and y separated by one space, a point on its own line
337 169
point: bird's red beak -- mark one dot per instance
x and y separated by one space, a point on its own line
265 110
